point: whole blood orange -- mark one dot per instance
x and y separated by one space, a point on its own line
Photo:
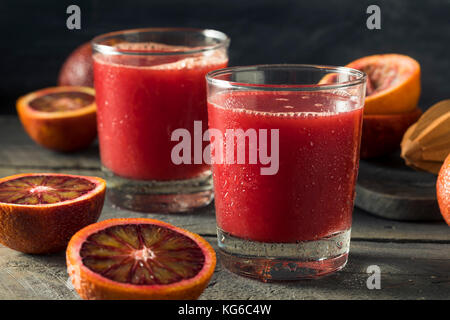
77 70
382 133
60 118
443 190
39 212
139 259
393 83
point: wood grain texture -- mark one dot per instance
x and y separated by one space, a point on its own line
421 275
388 188
414 257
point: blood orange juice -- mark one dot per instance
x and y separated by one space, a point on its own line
140 106
287 224
150 85
311 195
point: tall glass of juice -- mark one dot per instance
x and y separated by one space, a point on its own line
149 83
285 152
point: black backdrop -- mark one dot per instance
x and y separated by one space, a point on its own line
35 40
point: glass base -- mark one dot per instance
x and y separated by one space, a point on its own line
159 196
284 261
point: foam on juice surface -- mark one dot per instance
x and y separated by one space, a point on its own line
285 104
171 61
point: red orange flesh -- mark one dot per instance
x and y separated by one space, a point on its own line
62 101
393 83
139 259
60 118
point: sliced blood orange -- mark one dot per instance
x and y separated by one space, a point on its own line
39 212
393 83
60 118
139 259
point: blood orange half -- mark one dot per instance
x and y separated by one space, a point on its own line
39 212
60 118
393 83
139 259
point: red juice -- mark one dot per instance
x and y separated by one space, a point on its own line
141 100
311 196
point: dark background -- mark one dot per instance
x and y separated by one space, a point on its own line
35 39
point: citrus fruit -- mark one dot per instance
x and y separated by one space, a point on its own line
382 133
60 118
139 259
393 83
39 212
77 70
443 190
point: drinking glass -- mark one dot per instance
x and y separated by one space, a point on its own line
149 83
285 152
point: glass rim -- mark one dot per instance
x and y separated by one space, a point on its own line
211 77
110 50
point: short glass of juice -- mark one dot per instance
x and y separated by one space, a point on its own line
285 145
149 83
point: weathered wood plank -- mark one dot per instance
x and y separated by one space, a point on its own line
388 188
33 277
202 221
370 227
18 150
408 271
414 257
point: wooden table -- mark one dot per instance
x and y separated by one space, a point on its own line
414 258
